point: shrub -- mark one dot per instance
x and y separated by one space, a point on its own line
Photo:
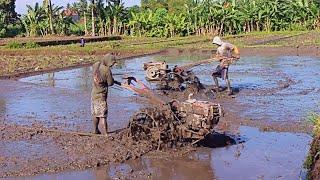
114 45
13 30
31 44
315 119
14 45
2 32
76 29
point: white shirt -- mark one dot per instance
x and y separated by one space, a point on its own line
225 49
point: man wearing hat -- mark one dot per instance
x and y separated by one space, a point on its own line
225 53
102 79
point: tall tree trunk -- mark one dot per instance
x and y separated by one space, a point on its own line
85 23
49 10
105 29
123 29
221 28
114 25
93 18
101 26
109 28
188 31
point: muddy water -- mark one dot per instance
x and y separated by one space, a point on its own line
262 156
282 88
27 103
270 89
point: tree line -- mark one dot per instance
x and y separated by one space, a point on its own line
160 18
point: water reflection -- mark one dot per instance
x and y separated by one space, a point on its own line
51 79
2 107
266 155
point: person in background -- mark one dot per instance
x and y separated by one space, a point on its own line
82 42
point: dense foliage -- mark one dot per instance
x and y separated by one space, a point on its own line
167 18
224 16
8 18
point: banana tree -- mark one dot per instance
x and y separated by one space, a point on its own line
32 19
82 8
134 24
117 12
63 24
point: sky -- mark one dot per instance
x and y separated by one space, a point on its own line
22 9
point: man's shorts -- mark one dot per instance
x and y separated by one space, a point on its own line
99 108
221 72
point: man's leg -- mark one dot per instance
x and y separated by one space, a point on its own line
228 84
95 121
229 87
105 125
217 73
216 82
225 76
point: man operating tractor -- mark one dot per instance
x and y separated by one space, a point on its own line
226 54
102 79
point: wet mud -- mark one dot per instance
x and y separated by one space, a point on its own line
271 94
313 160
38 150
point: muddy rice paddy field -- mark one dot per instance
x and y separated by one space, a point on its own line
263 134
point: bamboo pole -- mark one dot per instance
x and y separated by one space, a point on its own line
206 61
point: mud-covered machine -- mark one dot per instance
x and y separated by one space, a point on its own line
175 122
176 78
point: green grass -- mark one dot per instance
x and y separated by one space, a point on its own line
143 45
314 118
30 45
18 45
253 39
14 45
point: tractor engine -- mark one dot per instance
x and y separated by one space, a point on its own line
175 123
155 70
176 78
198 117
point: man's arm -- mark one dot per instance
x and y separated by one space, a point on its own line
236 52
117 83
109 77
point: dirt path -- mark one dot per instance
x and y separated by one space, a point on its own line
51 41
